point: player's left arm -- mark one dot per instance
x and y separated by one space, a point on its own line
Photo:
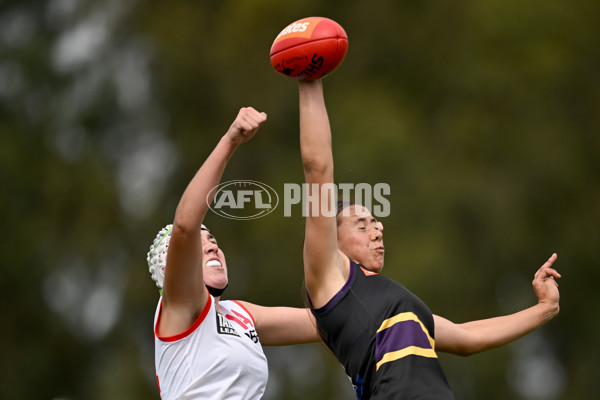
280 326
476 336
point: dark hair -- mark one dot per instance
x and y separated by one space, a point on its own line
340 207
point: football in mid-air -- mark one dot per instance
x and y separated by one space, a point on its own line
309 48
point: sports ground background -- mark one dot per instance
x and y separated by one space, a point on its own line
482 116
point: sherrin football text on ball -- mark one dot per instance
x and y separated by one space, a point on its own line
309 48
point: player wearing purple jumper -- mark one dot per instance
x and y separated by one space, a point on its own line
206 348
385 337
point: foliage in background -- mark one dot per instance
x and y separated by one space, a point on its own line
482 116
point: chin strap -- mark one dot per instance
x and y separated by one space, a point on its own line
216 292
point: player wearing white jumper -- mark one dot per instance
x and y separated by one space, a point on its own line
206 348
219 357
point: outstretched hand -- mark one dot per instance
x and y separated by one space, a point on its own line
544 283
245 125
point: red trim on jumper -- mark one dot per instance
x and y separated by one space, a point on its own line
157 380
245 309
189 330
367 272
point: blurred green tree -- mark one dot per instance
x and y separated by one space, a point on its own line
482 117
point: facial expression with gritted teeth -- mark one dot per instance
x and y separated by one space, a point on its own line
214 265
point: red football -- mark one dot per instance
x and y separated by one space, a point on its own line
309 48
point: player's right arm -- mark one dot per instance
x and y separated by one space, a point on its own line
323 266
184 291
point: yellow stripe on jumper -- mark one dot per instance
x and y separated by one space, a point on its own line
412 350
406 316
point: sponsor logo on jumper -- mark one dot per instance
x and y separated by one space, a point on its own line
245 323
252 335
224 327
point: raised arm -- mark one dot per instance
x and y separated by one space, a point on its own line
184 292
323 267
476 336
